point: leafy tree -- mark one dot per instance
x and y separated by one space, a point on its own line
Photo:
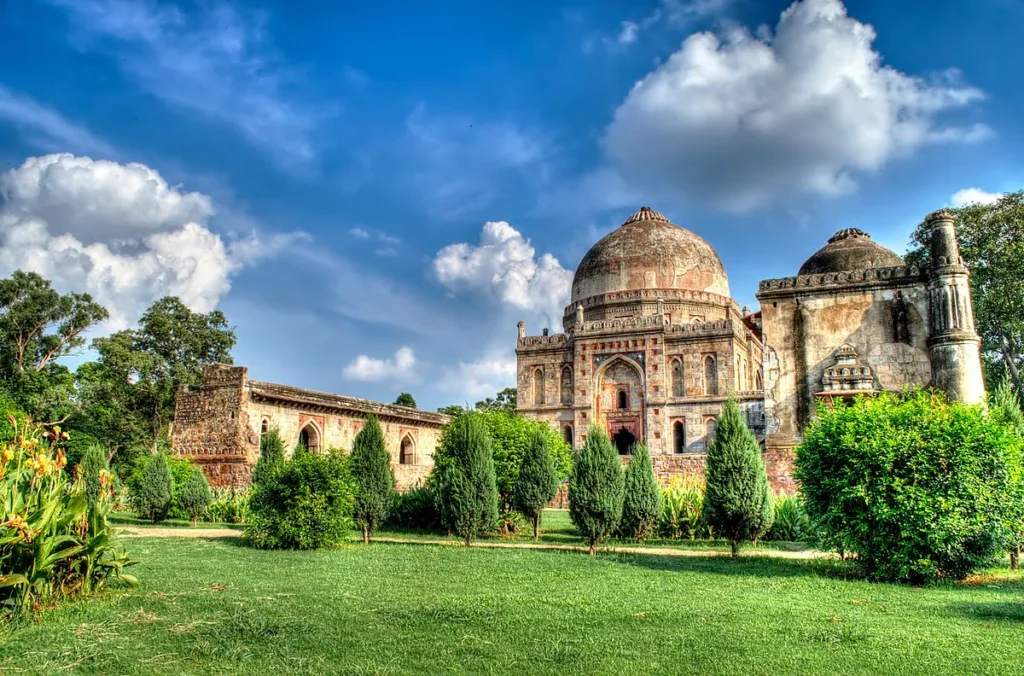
537 483
464 478
374 481
737 485
169 349
1005 408
453 410
503 401
271 453
991 238
92 462
405 399
596 489
916 487
155 489
195 495
641 505
38 326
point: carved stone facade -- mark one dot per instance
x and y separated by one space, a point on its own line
219 425
653 344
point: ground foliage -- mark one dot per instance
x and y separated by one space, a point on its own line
916 487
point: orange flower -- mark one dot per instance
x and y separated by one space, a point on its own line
7 454
61 460
17 522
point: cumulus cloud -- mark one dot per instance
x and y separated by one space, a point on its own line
473 380
739 120
974 196
400 368
120 233
504 266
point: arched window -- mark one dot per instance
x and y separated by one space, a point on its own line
758 384
623 399
567 386
679 436
407 452
538 387
310 438
264 427
567 433
710 376
710 425
678 386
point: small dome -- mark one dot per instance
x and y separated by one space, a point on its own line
849 249
649 252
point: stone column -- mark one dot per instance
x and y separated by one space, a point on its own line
953 344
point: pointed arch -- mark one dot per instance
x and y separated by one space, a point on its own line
710 375
567 385
758 380
310 436
568 435
622 400
679 437
678 384
407 451
538 386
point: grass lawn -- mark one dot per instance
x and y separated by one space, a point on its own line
213 606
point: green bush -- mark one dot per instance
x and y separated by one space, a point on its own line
271 452
682 509
302 503
537 484
596 489
791 523
181 469
77 445
229 505
1005 408
155 489
374 481
12 418
737 501
464 478
92 462
194 495
641 505
415 510
915 486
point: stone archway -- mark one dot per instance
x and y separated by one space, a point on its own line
620 397
309 437
407 451
623 440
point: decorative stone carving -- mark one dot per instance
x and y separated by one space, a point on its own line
848 375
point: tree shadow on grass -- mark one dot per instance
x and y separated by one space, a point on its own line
1004 611
752 566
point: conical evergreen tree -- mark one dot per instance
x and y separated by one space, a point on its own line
641 506
271 454
737 485
465 480
94 461
596 489
375 483
195 495
537 483
155 489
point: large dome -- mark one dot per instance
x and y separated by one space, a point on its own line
847 250
649 252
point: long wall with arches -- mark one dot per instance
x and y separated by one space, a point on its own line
219 425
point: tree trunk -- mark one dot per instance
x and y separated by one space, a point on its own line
366 534
469 540
593 548
1010 358
195 521
735 545
1015 558
536 526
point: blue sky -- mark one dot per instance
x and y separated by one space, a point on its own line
376 193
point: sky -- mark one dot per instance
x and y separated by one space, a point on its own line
376 193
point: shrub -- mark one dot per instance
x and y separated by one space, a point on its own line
78 444
641 505
791 523
155 489
1006 411
229 505
375 484
271 452
595 489
737 503
195 495
415 510
91 464
465 479
302 503
682 509
913 485
537 484
53 542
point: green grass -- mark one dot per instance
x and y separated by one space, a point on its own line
213 606
130 519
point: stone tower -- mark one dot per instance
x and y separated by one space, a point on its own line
953 344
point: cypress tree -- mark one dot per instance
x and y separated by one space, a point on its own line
375 483
466 483
596 489
641 506
271 454
155 489
94 460
537 483
737 485
195 495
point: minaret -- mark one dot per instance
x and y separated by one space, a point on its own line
953 344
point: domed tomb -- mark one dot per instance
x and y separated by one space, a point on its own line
647 252
847 250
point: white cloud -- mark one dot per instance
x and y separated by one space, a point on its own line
359 233
389 242
473 380
675 14
740 120
629 33
120 233
400 368
974 196
46 128
212 60
505 266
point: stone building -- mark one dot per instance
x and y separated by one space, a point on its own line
653 343
219 423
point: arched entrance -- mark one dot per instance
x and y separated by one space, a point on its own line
623 440
310 438
407 452
679 436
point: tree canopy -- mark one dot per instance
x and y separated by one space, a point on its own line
405 399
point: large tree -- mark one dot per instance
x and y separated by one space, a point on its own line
502 401
991 238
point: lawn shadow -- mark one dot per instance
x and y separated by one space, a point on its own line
1005 611
749 565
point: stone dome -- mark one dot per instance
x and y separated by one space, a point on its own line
849 249
649 252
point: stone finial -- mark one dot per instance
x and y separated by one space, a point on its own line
522 329
939 216
745 310
579 313
848 233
